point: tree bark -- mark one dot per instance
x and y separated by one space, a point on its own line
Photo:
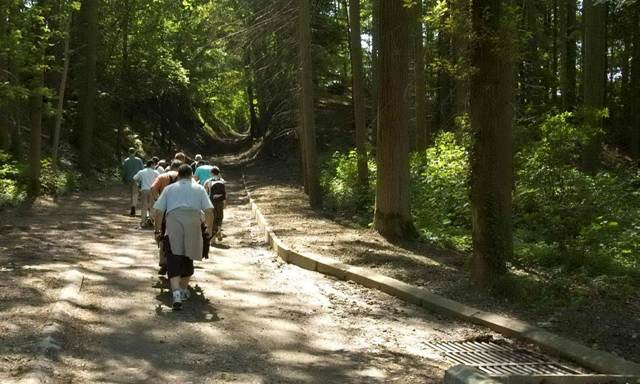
568 54
308 134
392 212
635 84
4 76
61 93
444 86
554 52
460 17
124 78
375 67
87 102
35 117
421 86
492 112
594 80
359 106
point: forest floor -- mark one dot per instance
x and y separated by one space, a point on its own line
606 323
252 319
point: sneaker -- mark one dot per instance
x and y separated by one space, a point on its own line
177 300
133 211
185 294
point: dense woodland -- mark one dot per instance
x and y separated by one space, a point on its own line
505 129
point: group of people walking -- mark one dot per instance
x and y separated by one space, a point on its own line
185 205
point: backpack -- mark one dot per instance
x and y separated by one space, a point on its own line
217 191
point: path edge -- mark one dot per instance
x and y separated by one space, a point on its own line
51 340
600 361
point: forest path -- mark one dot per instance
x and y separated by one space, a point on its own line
252 320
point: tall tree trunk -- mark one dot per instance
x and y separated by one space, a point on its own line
554 52
392 212
444 86
594 80
568 30
531 92
460 16
492 111
308 134
35 116
124 78
253 116
359 102
87 102
421 85
4 75
635 84
61 93
375 67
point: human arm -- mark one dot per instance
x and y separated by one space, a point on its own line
208 218
157 223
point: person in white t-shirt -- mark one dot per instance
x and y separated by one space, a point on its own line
145 178
184 203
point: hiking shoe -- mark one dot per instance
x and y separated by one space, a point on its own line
177 300
162 270
133 211
185 294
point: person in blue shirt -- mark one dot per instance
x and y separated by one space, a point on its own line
203 173
130 166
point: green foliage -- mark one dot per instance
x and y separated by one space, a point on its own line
338 178
55 182
566 217
573 227
11 191
13 183
440 193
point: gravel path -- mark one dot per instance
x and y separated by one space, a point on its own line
252 319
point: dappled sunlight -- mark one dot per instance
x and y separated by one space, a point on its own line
250 316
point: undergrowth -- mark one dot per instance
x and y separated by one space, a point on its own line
13 182
574 231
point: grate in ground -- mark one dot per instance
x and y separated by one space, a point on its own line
497 359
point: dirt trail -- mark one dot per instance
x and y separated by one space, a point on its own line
252 319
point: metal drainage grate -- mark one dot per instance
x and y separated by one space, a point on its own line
496 359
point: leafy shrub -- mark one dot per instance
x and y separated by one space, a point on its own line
339 177
565 220
440 192
11 191
56 182
13 183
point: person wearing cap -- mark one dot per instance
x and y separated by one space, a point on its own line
183 203
181 157
162 164
130 166
196 163
217 191
145 178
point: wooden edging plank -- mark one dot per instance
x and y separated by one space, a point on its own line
599 361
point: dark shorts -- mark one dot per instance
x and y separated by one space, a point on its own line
178 265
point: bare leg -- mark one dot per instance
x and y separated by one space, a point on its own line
184 282
134 194
175 283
